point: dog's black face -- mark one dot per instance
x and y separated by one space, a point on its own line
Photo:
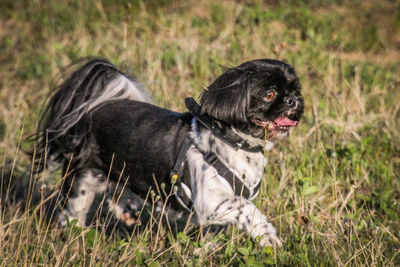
259 97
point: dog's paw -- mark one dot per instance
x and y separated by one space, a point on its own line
270 240
67 217
124 212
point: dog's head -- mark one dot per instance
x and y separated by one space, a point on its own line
259 97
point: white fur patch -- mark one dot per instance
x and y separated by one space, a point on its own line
85 187
247 166
121 88
214 202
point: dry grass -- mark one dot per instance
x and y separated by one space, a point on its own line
332 189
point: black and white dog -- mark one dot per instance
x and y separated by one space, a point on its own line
101 123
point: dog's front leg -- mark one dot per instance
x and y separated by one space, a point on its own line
214 208
214 203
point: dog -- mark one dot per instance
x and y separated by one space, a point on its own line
100 125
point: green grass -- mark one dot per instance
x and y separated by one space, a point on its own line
332 189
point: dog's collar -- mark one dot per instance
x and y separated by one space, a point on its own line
225 133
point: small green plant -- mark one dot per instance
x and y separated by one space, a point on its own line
332 188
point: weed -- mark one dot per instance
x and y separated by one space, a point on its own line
332 189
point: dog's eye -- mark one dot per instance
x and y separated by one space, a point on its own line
270 95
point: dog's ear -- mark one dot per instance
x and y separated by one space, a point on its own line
227 98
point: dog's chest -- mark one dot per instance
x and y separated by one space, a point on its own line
247 166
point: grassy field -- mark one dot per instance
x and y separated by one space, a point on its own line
332 189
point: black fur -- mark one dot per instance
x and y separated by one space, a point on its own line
63 130
236 96
140 141
143 141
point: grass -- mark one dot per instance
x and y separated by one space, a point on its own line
332 189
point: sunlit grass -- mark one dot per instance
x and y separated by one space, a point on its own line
332 189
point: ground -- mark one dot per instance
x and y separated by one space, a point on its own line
332 188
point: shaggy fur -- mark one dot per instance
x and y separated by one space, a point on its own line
100 122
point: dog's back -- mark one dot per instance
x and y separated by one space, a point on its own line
62 131
139 139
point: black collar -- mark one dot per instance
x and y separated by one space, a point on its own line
225 133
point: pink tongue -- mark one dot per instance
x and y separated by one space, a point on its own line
285 121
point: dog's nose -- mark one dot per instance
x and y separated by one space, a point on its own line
291 101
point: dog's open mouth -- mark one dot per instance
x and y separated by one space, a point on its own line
279 124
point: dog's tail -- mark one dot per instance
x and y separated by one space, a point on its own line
62 132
